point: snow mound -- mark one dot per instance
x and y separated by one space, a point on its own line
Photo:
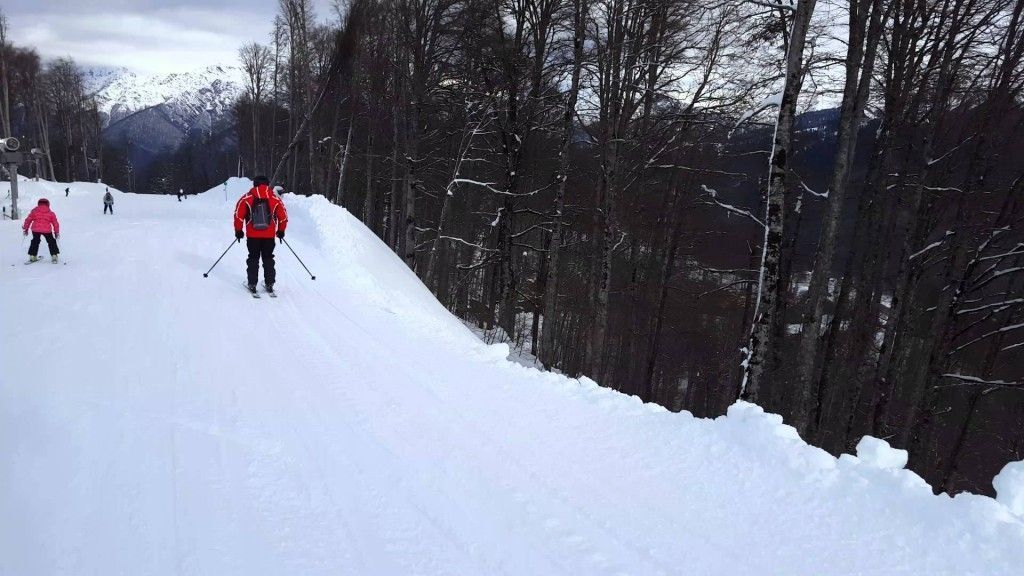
1009 485
878 453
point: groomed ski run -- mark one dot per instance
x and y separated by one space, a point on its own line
156 422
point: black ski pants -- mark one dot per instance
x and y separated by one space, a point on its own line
260 249
108 207
51 243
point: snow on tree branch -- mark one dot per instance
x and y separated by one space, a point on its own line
773 101
1004 303
781 5
931 246
467 243
1002 330
487 185
714 198
965 379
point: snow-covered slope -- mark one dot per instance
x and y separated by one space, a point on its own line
153 421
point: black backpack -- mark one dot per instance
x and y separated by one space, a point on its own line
260 214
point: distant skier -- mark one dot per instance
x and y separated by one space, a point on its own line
264 216
66 192
43 223
108 202
179 194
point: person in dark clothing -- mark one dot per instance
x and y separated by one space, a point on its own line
263 216
179 194
108 202
66 192
260 250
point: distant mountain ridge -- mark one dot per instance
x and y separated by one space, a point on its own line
151 117
189 96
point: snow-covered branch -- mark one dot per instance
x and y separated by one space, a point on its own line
781 5
469 244
1004 303
1016 250
773 101
965 379
931 246
487 185
989 334
714 198
813 192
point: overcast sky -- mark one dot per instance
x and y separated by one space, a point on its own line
152 36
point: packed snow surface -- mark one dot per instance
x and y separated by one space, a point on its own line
878 453
156 422
1009 485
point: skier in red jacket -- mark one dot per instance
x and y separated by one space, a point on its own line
263 216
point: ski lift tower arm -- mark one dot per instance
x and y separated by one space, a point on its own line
11 159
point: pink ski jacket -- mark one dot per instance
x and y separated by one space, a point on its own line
41 219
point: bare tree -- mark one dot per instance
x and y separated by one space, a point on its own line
5 97
867 19
762 349
547 353
256 63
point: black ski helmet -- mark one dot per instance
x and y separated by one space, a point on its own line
260 180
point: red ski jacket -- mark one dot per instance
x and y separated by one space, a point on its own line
278 215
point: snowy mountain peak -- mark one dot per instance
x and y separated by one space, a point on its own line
152 115
121 92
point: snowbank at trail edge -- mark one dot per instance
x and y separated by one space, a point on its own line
379 277
353 426
877 471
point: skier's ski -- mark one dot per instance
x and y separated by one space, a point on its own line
270 291
27 262
252 291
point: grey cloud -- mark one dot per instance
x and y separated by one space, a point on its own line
156 36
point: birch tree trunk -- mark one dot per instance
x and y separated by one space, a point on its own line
339 193
761 349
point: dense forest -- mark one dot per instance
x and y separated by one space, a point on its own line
816 206
47 108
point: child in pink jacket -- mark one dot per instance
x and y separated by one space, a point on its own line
43 223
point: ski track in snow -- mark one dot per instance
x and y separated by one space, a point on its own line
153 421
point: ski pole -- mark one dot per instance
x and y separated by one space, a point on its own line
207 273
297 258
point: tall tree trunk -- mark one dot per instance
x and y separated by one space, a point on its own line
339 194
860 59
761 349
411 184
5 99
667 269
548 354
369 200
602 273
